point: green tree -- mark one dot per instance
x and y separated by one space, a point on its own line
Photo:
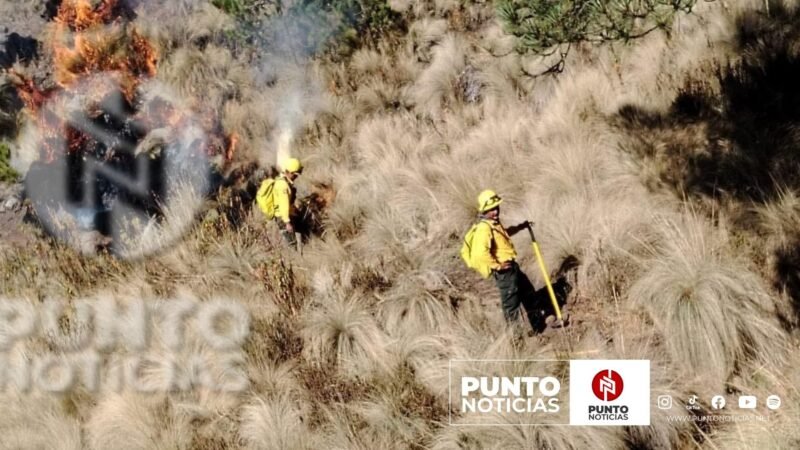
235 7
550 26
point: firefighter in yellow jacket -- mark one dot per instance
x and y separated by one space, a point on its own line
495 256
284 196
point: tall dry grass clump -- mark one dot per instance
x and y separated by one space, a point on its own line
274 423
780 218
343 333
780 221
132 421
436 86
38 421
713 314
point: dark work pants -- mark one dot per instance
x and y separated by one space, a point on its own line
300 227
290 238
517 290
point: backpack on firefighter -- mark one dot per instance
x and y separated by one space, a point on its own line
265 198
467 248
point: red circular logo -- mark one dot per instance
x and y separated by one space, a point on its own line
607 385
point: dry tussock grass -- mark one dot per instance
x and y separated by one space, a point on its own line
351 341
712 313
182 22
38 422
130 421
274 423
412 305
781 430
436 85
516 435
342 332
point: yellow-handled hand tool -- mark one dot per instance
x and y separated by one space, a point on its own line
546 276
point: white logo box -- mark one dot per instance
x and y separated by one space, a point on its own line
578 390
635 392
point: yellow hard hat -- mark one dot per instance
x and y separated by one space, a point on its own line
488 200
292 165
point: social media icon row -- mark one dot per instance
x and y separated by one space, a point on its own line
748 402
719 402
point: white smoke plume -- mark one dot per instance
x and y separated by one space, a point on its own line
292 39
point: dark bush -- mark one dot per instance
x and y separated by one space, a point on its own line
307 27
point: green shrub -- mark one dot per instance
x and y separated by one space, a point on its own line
543 25
307 27
372 17
233 7
7 174
349 22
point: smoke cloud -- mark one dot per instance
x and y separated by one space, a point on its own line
290 41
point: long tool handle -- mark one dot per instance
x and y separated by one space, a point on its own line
540 260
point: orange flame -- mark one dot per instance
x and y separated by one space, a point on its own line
88 39
32 97
80 15
233 141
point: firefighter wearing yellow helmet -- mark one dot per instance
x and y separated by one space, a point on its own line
284 197
492 253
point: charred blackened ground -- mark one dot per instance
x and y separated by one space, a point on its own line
14 49
18 48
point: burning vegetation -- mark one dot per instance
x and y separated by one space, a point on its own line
85 40
104 107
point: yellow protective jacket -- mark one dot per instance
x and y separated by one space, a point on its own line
492 247
284 194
